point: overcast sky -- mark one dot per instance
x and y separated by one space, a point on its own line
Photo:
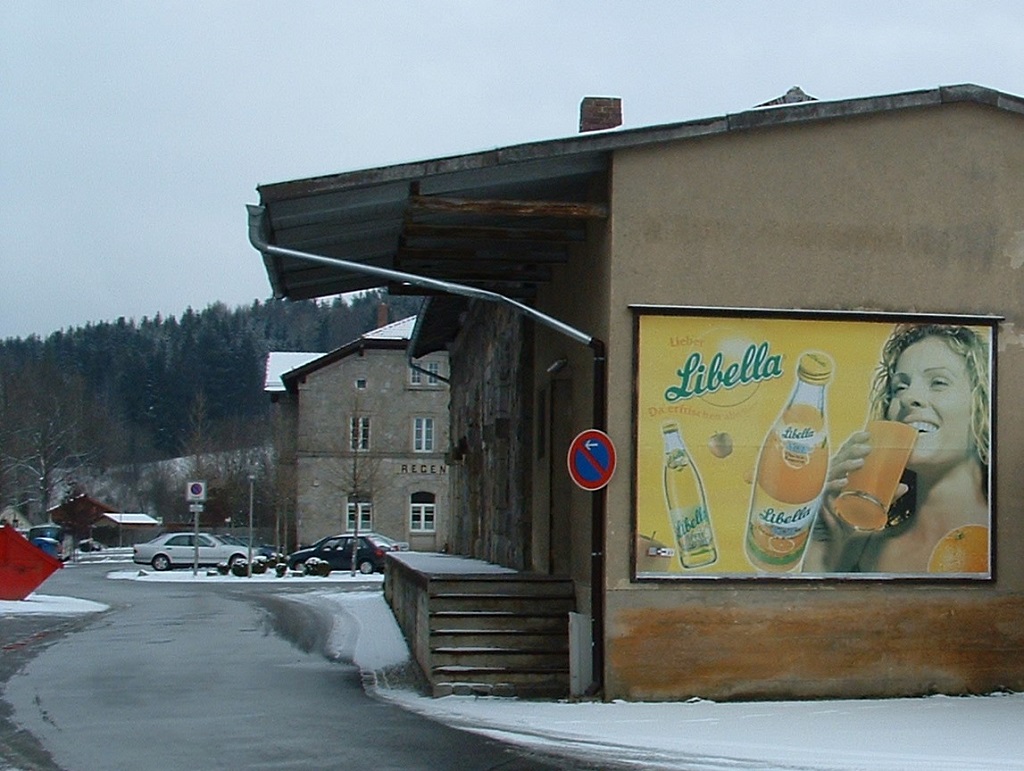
133 133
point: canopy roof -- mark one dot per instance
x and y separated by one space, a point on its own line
497 220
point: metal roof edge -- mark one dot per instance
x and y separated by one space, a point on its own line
608 141
969 92
817 110
844 108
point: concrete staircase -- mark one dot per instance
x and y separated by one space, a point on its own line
500 634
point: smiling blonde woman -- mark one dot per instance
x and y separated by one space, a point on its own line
936 379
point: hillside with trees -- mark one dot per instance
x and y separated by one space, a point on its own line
127 409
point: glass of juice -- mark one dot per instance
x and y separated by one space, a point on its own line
864 504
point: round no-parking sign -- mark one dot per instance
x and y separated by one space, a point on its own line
591 459
196 492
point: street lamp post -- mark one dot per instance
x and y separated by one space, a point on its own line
277 530
252 481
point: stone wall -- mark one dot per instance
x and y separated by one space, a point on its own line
328 471
491 437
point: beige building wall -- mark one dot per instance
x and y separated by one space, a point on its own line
563 405
918 211
390 471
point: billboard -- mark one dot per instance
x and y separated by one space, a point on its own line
812 445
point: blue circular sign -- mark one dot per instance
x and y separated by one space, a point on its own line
591 459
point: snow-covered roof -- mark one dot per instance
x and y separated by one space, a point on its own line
396 330
280 362
121 518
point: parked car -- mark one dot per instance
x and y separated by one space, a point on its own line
90 544
49 538
258 549
172 550
337 550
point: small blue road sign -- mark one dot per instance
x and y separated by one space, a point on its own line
195 492
591 459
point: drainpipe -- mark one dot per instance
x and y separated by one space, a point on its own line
598 507
259 231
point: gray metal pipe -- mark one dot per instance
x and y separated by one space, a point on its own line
259 230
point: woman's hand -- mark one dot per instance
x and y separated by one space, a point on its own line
849 458
837 546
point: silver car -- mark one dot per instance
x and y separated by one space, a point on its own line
172 550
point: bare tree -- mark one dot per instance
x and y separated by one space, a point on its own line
353 468
281 483
44 447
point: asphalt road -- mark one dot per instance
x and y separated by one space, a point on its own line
206 676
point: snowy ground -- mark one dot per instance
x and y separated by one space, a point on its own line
933 734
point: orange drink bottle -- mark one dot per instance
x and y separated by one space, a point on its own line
687 505
791 472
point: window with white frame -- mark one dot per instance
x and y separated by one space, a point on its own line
430 369
423 435
365 512
359 433
422 512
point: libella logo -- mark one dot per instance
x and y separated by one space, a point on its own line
731 375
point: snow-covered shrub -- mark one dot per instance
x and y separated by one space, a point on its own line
318 567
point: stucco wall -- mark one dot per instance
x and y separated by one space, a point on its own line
578 295
904 211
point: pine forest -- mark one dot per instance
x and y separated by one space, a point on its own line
126 411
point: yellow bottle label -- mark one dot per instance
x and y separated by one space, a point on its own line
687 512
692 530
777 532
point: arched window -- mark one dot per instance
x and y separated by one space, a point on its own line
422 512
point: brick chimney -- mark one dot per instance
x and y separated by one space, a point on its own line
382 315
600 112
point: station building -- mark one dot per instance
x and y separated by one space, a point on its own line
361 438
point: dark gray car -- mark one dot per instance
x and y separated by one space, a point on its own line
336 550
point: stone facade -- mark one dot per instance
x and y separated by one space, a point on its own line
367 386
491 438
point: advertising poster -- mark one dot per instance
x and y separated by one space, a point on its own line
774 445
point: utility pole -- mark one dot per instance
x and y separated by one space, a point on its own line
252 481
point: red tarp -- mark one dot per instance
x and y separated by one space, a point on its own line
23 567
